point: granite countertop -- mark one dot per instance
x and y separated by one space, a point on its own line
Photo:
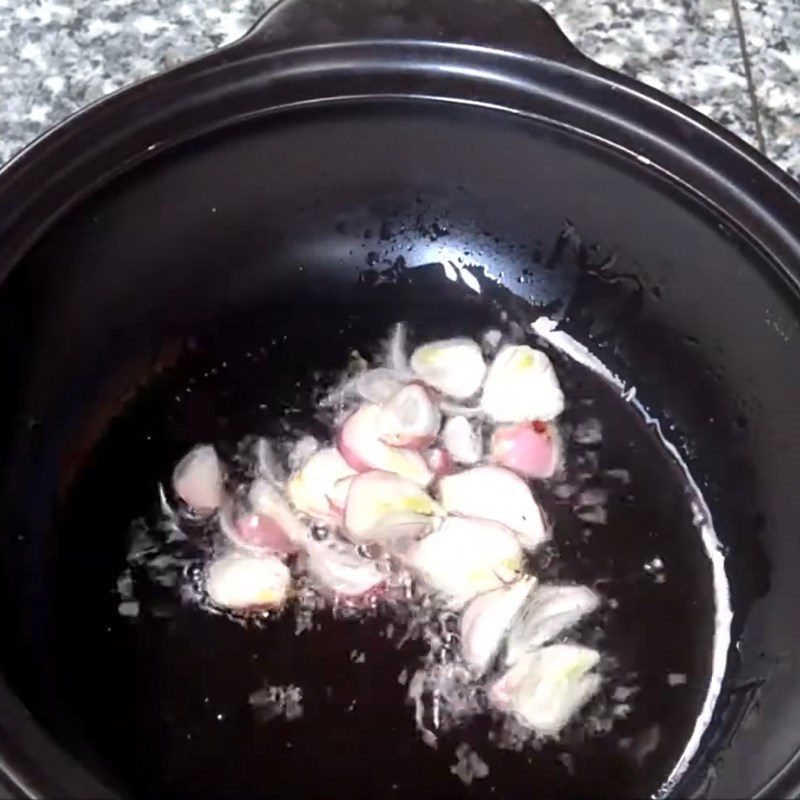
738 61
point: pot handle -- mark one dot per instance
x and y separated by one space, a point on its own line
520 26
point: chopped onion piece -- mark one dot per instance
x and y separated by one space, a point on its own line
267 501
550 611
486 620
360 445
496 494
531 449
466 557
453 366
382 506
342 571
522 385
242 582
378 385
337 495
547 687
462 441
409 418
311 487
197 479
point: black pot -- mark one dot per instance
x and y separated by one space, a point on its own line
278 182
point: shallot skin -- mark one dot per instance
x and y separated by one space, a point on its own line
531 449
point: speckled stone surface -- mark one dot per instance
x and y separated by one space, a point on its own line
57 56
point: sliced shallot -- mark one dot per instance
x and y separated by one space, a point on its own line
198 478
409 418
522 385
453 366
267 501
547 687
439 461
360 445
462 440
550 611
496 494
256 533
486 620
466 557
378 385
382 506
311 487
531 449
241 582
342 571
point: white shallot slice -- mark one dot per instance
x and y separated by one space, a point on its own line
462 440
337 494
409 418
547 687
197 479
242 582
550 611
522 385
496 494
378 385
531 449
439 461
268 501
453 366
466 557
486 620
382 506
311 487
342 571
360 444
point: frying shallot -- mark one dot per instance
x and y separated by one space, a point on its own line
496 494
531 449
453 366
547 687
521 385
486 620
462 440
311 487
342 571
549 612
382 506
361 446
466 557
198 479
241 582
409 418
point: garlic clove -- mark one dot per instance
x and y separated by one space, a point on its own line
310 488
462 440
531 449
548 687
466 557
486 620
496 494
360 444
409 418
382 506
247 583
453 366
198 480
549 612
521 385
